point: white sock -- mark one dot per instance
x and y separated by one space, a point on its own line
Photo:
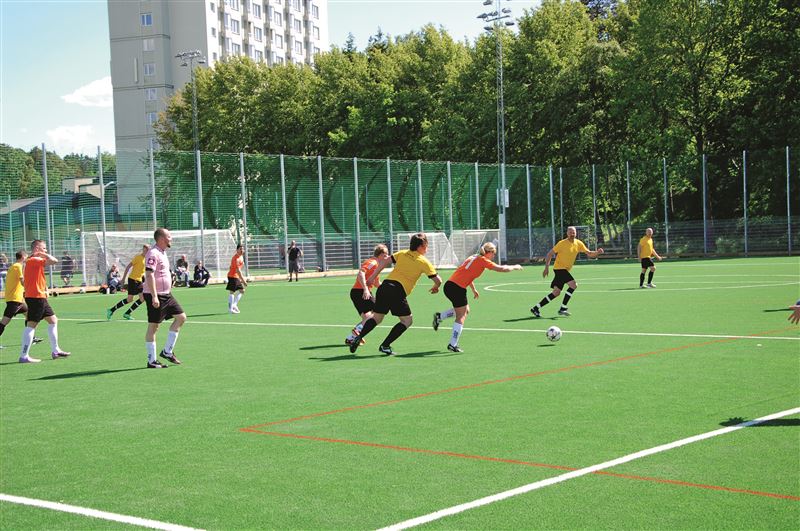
359 327
27 341
52 331
237 297
230 300
172 338
457 327
447 314
151 351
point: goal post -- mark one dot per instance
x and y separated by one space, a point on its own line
440 252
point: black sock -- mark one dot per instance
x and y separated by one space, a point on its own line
396 331
368 327
545 300
2 328
119 305
135 305
650 277
567 297
641 279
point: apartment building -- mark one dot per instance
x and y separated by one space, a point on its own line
146 35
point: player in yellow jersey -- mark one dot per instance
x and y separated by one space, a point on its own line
135 279
566 251
646 252
15 302
393 292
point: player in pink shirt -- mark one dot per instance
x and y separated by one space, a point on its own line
161 304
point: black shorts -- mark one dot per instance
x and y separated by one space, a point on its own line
647 262
38 309
294 266
135 287
456 294
391 297
562 277
13 308
362 305
234 284
168 308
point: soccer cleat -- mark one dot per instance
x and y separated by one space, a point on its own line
386 350
454 348
170 356
437 320
37 340
28 359
156 365
564 311
641 287
109 313
535 312
127 316
354 346
59 354
360 341
650 285
235 309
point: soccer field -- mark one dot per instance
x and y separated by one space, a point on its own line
271 423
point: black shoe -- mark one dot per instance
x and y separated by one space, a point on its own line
156 365
452 348
535 312
563 311
37 340
354 344
170 356
437 320
385 350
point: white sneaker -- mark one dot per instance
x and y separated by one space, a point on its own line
28 359
235 309
650 285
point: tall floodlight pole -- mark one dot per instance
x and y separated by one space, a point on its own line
189 59
495 21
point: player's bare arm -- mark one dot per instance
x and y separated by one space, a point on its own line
547 260
437 281
150 278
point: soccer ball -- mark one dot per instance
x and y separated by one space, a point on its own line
553 333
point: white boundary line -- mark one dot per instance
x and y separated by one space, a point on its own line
581 472
521 330
94 513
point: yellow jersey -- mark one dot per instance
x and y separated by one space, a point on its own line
646 248
567 251
137 268
14 288
408 267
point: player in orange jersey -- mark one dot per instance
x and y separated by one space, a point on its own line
455 289
361 292
236 280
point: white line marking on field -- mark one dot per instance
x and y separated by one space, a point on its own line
581 472
476 329
713 286
94 513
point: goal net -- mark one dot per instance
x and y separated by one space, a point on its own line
440 252
218 246
465 243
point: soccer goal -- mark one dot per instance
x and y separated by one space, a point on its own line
120 247
440 252
465 243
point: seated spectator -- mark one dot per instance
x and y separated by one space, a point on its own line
201 276
67 268
114 279
182 271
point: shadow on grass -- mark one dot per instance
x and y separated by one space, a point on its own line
427 353
318 347
94 322
531 318
778 310
544 345
625 289
85 373
207 314
766 424
348 357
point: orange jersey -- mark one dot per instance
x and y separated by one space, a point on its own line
35 285
368 267
471 269
237 262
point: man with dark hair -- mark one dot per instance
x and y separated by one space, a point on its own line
393 292
36 301
67 268
236 280
135 286
294 253
161 304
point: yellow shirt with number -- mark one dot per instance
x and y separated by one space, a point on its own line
137 268
14 288
646 248
567 251
408 267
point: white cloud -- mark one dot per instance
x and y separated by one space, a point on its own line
72 139
98 93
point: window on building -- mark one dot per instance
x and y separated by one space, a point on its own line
235 26
259 56
213 32
315 32
314 11
148 45
152 118
278 41
278 19
236 49
257 10
227 44
316 50
227 20
298 25
278 60
233 4
258 34
213 7
298 46
296 5
214 56
149 69
147 19
150 94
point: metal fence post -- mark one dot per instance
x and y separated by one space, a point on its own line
552 206
594 204
561 197
419 193
744 196
244 215
200 206
321 213
153 187
83 249
358 212
477 197
389 200
666 218
705 223
530 224
285 221
102 207
628 186
10 226
47 207
788 203
450 198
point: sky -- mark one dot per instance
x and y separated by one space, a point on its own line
55 84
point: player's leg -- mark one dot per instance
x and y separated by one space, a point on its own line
641 277
150 345
238 296
231 298
461 316
571 287
52 332
138 302
546 300
27 341
650 277
174 310
396 331
120 304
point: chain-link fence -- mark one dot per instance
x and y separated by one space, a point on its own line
337 209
